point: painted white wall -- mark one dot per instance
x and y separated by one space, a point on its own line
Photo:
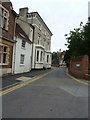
33 56
39 64
27 52
47 64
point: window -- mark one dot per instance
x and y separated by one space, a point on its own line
41 58
39 39
4 16
22 59
3 54
47 58
4 23
37 56
23 43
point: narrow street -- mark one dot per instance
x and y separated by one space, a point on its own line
53 96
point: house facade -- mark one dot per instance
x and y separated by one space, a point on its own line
7 29
41 52
22 57
61 58
22 52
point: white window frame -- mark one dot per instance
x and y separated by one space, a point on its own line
2 52
41 56
47 58
22 60
38 52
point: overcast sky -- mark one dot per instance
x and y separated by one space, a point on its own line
61 16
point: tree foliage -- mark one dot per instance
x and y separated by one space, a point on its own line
78 42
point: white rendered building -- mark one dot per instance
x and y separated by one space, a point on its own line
41 52
22 52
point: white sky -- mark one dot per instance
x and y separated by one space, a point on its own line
61 16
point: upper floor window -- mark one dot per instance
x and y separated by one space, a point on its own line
23 43
22 57
39 39
4 16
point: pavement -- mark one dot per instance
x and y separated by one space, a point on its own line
12 80
53 95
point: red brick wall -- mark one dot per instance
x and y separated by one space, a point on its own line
9 34
80 71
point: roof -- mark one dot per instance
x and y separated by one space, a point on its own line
36 13
19 32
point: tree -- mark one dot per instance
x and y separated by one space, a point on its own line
78 41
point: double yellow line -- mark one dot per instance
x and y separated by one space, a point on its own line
82 82
23 84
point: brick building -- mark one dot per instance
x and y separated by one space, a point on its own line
7 28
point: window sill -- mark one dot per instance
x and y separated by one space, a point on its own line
3 64
22 65
23 48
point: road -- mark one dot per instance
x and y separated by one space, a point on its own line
52 96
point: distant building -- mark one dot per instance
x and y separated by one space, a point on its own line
89 9
41 52
7 29
61 58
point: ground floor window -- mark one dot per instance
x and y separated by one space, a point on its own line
22 57
3 54
47 58
41 57
37 56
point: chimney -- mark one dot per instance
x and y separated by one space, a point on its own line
23 11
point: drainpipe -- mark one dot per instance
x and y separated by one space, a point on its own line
14 50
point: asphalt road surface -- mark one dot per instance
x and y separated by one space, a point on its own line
53 96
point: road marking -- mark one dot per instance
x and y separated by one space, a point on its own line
24 84
82 82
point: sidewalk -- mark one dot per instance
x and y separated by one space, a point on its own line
11 80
